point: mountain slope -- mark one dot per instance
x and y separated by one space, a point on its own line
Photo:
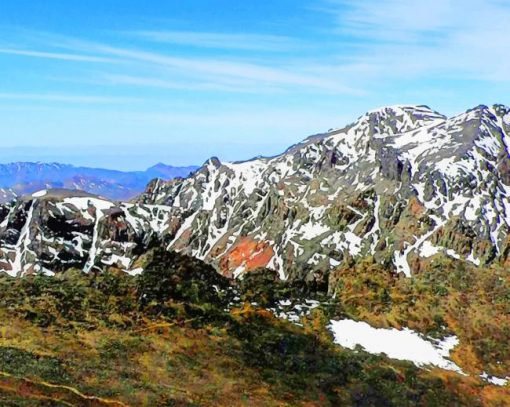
402 191
400 184
164 338
23 178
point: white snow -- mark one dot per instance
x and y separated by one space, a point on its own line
427 249
402 345
453 253
471 208
39 194
115 259
400 262
334 263
506 119
311 230
238 272
83 203
473 260
494 380
93 248
135 271
22 244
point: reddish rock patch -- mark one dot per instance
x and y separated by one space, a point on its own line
417 208
248 253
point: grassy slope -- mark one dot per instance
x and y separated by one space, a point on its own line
445 297
164 339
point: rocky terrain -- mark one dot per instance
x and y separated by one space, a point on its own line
401 184
54 230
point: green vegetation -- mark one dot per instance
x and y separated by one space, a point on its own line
445 297
164 339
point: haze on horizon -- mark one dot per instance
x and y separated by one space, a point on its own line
126 85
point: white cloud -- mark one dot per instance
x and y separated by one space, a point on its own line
227 69
55 55
49 97
252 42
454 39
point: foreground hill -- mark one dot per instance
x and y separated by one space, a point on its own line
165 338
24 178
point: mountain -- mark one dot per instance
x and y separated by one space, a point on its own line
402 185
330 231
53 230
24 178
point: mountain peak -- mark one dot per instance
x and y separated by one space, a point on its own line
399 108
393 120
214 161
160 165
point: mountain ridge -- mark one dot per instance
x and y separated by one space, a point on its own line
402 184
454 135
22 178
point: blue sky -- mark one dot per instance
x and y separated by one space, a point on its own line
125 84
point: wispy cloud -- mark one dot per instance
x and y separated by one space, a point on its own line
228 73
392 20
460 39
225 69
48 97
250 42
164 83
55 55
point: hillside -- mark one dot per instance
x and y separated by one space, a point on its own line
164 339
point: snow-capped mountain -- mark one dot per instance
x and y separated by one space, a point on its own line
23 178
402 184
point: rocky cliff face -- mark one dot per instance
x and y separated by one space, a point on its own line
55 230
401 184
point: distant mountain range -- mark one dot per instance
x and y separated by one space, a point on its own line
24 178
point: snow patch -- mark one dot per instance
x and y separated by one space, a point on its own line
427 249
39 194
497 381
402 345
